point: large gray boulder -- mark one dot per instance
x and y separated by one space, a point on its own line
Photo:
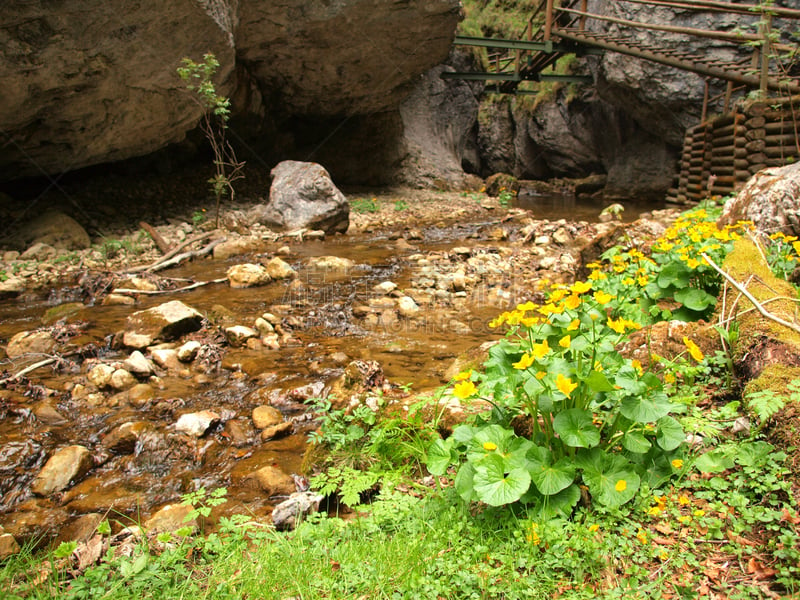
303 195
771 199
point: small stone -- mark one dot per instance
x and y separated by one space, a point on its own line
290 512
122 379
238 335
277 431
247 275
271 319
170 518
100 375
8 546
237 433
562 237
48 414
64 467
266 416
141 284
279 269
462 251
284 251
331 263
459 282
407 307
188 351
140 394
137 364
273 481
263 326
122 440
196 424
542 240
166 358
118 300
385 287
12 286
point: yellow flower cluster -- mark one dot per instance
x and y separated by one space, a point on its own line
560 299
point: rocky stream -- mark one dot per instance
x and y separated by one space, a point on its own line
124 387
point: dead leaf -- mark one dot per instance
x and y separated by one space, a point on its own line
88 553
758 570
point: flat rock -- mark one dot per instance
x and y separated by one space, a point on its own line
407 307
138 364
122 439
64 467
277 431
331 263
166 358
31 342
238 335
161 323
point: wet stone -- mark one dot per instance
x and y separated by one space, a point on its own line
118 300
407 307
122 440
266 416
137 364
30 342
238 335
196 424
140 394
81 529
100 375
48 414
166 358
277 431
164 322
170 518
272 481
331 263
122 380
66 466
238 433
247 275
188 351
279 269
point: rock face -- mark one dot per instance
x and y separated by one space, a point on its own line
94 82
770 199
303 195
55 229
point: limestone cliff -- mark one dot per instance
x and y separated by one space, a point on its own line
87 82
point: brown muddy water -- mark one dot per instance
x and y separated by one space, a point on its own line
317 310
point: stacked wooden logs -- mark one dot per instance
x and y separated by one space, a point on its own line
721 154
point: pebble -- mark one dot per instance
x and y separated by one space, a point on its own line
196 424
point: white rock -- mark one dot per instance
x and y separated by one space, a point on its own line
385 287
137 364
247 275
166 358
196 424
407 307
188 351
279 269
122 379
238 335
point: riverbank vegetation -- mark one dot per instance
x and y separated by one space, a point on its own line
602 461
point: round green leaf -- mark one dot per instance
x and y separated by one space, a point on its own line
645 409
635 442
612 488
495 487
576 429
669 433
439 456
549 478
695 299
715 461
464 482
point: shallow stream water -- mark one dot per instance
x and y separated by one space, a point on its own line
317 308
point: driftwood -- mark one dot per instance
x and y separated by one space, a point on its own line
28 369
157 238
129 291
172 257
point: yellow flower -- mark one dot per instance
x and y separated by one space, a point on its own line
628 281
565 341
699 512
597 276
642 280
669 378
693 263
593 527
464 389
618 325
541 375
490 446
677 463
621 485
527 306
565 385
557 295
572 302
602 297
541 350
641 535
574 325
663 556
637 364
796 246
463 376
695 352
598 366
580 287
530 321
654 511
684 519
683 500
524 362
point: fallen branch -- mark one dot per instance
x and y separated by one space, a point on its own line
28 369
186 288
764 312
173 252
157 238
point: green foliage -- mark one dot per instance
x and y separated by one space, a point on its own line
506 197
400 205
364 205
202 502
198 78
